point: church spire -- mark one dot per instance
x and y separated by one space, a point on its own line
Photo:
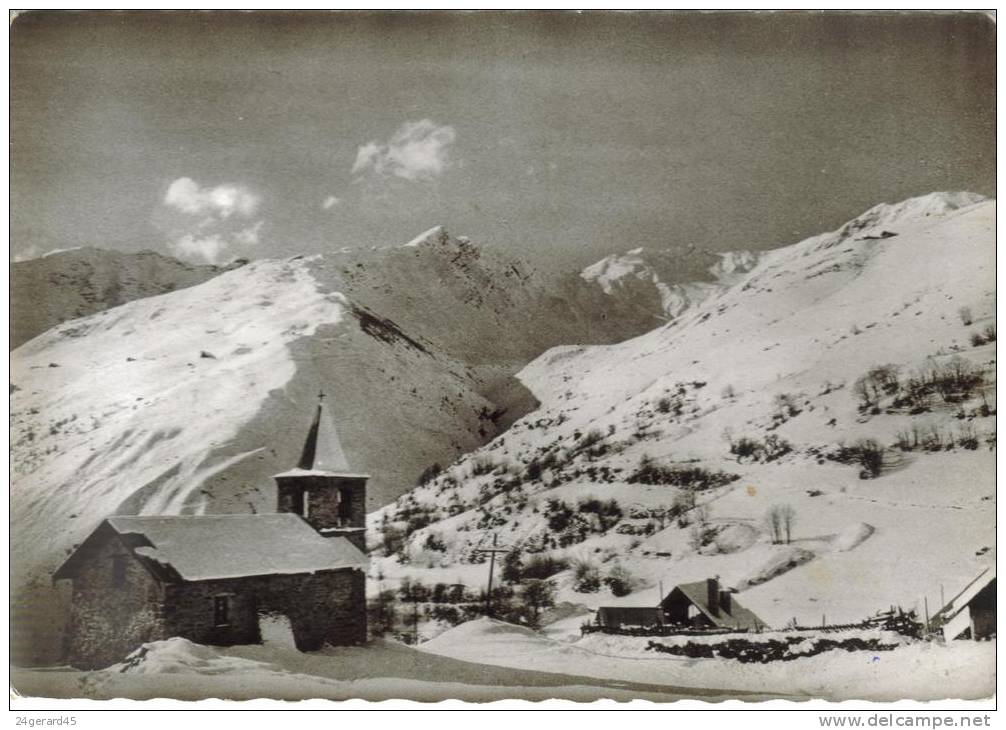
322 450
321 488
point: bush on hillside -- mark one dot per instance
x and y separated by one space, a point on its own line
650 471
619 580
867 453
586 577
543 565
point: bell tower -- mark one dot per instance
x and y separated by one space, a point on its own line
321 488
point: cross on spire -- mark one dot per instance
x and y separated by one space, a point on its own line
322 450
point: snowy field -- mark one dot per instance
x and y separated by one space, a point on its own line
179 669
923 671
486 660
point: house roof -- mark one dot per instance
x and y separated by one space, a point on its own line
959 602
737 617
209 547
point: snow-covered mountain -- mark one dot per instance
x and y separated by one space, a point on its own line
845 384
73 283
666 283
491 312
190 400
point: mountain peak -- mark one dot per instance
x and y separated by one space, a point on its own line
907 212
437 234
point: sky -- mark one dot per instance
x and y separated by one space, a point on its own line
560 137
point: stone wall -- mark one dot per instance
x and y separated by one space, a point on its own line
326 607
323 505
108 621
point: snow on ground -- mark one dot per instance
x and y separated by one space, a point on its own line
920 670
434 234
179 669
119 423
660 276
806 322
487 660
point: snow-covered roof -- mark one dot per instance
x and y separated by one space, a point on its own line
298 472
737 617
959 602
207 547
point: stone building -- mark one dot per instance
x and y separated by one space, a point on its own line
227 579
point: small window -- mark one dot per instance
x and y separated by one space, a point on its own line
344 512
118 570
305 504
221 610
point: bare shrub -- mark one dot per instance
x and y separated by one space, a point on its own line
871 457
650 471
483 465
780 519
967 438
619 580
429 473
586 577
543 565
867 453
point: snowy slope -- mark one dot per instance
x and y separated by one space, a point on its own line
667 282
181 670
920 671
805 323
188 403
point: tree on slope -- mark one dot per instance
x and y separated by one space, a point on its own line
513 567
538 594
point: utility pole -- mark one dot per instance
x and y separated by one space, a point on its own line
415 620
492 564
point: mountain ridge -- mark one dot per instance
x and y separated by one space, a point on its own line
753 401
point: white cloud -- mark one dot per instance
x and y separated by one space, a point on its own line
223 201
205 249
248 236
330 202
214 248
206 224
417 151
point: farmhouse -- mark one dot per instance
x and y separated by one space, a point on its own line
693 605
705 604
971 614
226 579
